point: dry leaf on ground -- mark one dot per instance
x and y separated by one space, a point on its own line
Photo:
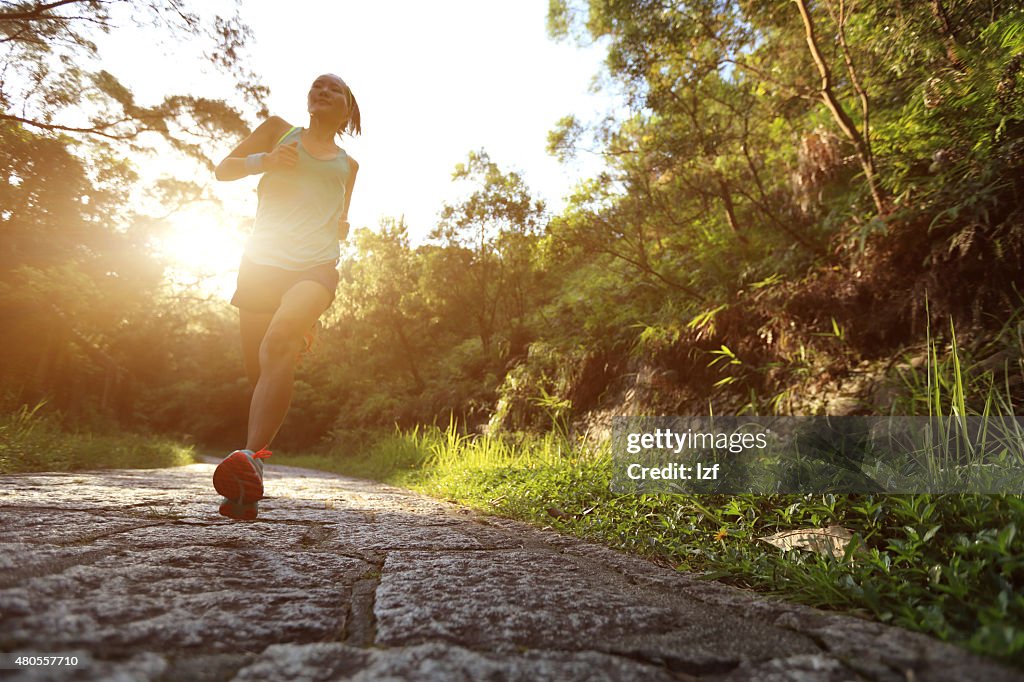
832 540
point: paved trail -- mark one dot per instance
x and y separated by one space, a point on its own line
136 574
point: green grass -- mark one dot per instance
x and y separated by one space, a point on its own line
33 441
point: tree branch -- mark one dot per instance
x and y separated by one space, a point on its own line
842 118
95 130
854 78
38 12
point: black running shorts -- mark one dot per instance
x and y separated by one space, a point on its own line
260 287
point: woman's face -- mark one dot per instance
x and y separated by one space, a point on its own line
328 96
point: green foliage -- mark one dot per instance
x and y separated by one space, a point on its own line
423 333
534 394
487 242
34 440
959 381
564 138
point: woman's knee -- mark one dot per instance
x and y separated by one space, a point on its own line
279 343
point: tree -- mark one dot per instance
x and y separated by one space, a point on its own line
858 135
381 289
785 57
487 240
78 287
47 86
69 281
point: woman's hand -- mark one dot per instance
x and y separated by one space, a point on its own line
283 156
237 164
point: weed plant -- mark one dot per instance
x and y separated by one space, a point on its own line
32 440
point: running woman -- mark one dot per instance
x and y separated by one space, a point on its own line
288 274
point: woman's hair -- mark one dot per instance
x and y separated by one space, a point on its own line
352 126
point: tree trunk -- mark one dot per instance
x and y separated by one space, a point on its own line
730 210
842 118
948 34
410 357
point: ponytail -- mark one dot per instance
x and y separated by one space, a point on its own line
352 126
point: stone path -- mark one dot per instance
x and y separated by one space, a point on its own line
136 574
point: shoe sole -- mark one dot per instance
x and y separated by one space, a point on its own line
238 480
242 512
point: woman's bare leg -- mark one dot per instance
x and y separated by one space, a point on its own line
278 353
253 327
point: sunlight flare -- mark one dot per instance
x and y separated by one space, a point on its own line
201 248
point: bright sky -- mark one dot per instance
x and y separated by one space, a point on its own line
433 81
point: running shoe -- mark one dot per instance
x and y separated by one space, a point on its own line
309 338
239 478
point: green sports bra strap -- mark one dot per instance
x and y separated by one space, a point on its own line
290 131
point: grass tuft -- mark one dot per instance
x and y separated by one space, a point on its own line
31 440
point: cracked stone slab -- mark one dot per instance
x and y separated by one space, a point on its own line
501 600
405 531
136 573
182 597
436 661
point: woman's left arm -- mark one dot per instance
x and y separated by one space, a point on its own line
349 184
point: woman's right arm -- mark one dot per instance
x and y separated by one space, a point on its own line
260 141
